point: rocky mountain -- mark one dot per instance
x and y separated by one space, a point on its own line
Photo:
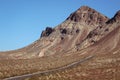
86 46
83 28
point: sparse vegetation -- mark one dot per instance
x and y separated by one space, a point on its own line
24 66
100 68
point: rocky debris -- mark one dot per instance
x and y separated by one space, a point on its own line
47 32
87 15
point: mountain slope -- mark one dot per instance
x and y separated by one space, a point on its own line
64 37
84 33
105 63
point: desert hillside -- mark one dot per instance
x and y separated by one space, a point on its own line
86 46
64 37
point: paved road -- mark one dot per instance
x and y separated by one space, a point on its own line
49 71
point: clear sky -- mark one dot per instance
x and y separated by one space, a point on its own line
22 21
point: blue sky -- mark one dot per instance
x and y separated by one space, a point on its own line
22 21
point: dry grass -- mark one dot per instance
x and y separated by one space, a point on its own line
102 67
13 67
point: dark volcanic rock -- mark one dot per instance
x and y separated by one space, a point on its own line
47 32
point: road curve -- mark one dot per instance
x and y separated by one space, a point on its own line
49 71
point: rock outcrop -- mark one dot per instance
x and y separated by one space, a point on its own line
47 32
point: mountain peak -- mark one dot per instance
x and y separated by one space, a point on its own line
87 15
85 8
116 18
117 15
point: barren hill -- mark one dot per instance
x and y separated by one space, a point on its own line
84 33
64 37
